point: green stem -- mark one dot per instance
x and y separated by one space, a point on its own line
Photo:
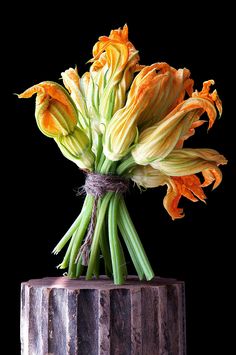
123 261
99 150
71 230
80 235
127 164
79 268
96 267
130 248
112 169
65 262
106 166
116 254
96 236
101 161
104 245
135 241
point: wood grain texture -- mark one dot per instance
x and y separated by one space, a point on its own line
78 317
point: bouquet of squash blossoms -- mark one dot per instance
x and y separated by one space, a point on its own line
124 121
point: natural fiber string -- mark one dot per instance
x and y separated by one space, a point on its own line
98 185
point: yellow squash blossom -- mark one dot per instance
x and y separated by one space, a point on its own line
55 112
114 63
178 173
153 93
56 116
157 141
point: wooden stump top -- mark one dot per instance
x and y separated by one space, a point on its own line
103 282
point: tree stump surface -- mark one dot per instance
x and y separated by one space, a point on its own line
60 316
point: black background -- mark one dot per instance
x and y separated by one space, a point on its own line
40 184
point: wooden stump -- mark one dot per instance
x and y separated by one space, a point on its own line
78 317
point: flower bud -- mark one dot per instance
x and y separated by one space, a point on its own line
77 148
55 112
77 88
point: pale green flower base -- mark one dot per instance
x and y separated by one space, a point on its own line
113 221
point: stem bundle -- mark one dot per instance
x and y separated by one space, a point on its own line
113 229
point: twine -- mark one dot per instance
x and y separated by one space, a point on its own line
98 185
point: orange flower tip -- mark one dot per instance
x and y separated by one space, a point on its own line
39 88
212 97
194 199
217 183
22 95
222 160
90 61
178 214
139 67
199 123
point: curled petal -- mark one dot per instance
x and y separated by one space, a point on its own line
171 201
218 102
190 187
212 97
187 186
200 105
212 175
50 89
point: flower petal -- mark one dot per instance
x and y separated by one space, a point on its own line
212 175
156 142
187 186
212 97
71 80
147 177
189 161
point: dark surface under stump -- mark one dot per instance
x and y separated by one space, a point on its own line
77 317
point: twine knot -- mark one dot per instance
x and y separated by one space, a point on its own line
98 185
